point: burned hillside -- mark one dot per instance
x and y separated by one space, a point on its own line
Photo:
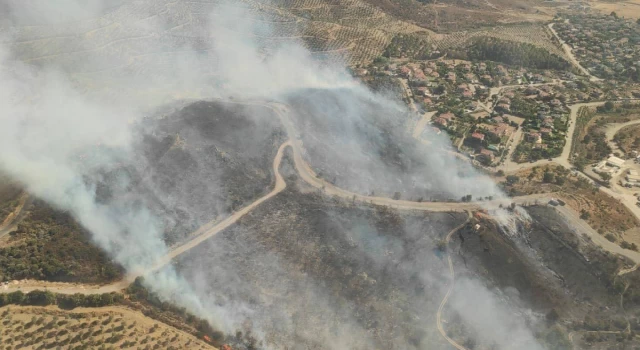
555 272
361 143
304 262
198 163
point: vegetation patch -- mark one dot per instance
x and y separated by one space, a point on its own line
49 245
513 53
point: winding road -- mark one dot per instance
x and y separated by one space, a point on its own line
450 290
203 233
613 129
510 167
308 175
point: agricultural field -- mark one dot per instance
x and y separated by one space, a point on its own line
535 34
33 327
625 8
354 32
427 45
465 15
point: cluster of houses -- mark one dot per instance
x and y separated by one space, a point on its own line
548 116
605 44
437 82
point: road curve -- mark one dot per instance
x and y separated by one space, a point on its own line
450 290
572 217
613 129
563 159
203 233
308 175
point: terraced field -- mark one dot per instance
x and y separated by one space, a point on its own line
156 35
27 327
535 34
134 37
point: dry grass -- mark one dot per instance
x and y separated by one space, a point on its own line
606 214
351 31
626 9
32 327
627 136
356 31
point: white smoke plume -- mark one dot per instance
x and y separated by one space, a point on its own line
75 77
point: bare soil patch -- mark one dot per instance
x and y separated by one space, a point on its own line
604 213
627 9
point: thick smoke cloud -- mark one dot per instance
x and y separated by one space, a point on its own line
69 104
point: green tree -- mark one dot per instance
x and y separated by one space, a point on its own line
512 179
608 106
548 177
40 298
16 297
584 215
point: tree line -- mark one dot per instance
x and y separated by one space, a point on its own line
513 53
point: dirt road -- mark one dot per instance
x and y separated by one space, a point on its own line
12 221
563 159
613 129
574 221
422 123
450 290
205 232
308 175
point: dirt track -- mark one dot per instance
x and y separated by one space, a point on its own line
205 232
308 175
446 297
12 221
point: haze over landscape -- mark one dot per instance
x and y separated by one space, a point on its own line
318 174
